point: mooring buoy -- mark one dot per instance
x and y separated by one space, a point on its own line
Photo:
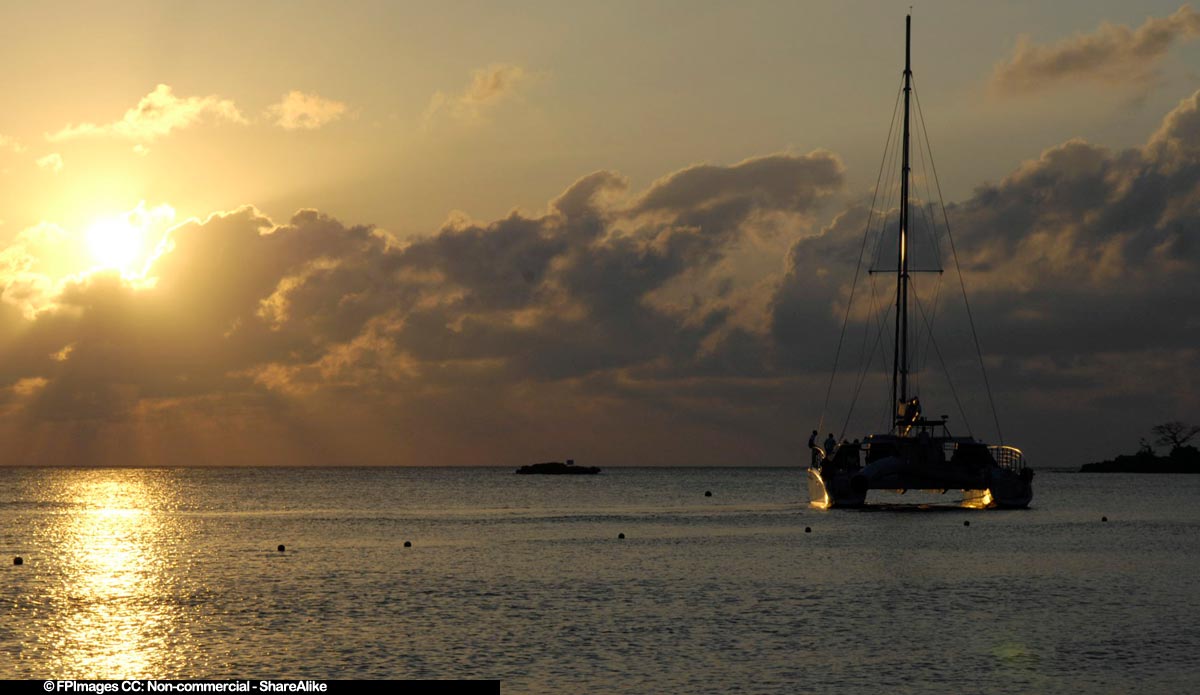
18 561
281 548
1103 518
620 535
708 493
808 529
966 523
407 544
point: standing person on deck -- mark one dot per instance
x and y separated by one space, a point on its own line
830 445
812 447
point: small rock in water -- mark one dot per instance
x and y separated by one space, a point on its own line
281 548
18 561
621 535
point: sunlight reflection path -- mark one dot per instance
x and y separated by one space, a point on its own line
117 604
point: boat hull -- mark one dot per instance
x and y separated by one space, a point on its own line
1011 491
827 490
557 468
989 487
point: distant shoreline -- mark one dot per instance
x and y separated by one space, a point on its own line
1181 460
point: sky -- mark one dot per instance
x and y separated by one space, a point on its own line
387 233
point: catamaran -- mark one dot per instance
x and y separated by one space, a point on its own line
916 452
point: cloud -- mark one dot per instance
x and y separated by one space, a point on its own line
1082 266
300 111
52 161
615 322
779 182
1114 54
1177 141
157 114
488 88
321 312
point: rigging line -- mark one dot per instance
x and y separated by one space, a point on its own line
933 237
923 226
887 414
881 336
950 382
863 355
880 317
862 377
890 194
915 373
924 339
962 283
921 347
937 293
891 191
857 268
882 344
868 358
885 341
892 200
927 216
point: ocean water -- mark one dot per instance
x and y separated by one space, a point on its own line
174 573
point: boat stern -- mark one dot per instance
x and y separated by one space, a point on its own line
829 489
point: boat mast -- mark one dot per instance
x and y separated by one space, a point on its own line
900 346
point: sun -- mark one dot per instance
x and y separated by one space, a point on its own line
115 242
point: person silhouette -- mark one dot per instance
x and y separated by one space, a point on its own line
812 447
830 445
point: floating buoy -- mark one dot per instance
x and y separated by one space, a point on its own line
621 535
18 561
808 529
966 523
281 548
708 493
1103 518
407 544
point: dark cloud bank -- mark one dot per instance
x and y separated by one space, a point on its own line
616 327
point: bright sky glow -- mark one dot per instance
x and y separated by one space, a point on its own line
282 232
115 243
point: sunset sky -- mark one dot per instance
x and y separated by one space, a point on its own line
623 232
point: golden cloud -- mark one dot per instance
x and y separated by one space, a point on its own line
488 88
303 111
156 115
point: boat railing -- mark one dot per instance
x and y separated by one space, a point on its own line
1009 457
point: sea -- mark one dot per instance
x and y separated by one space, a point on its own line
636 580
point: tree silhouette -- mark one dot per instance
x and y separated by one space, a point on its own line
1174 433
